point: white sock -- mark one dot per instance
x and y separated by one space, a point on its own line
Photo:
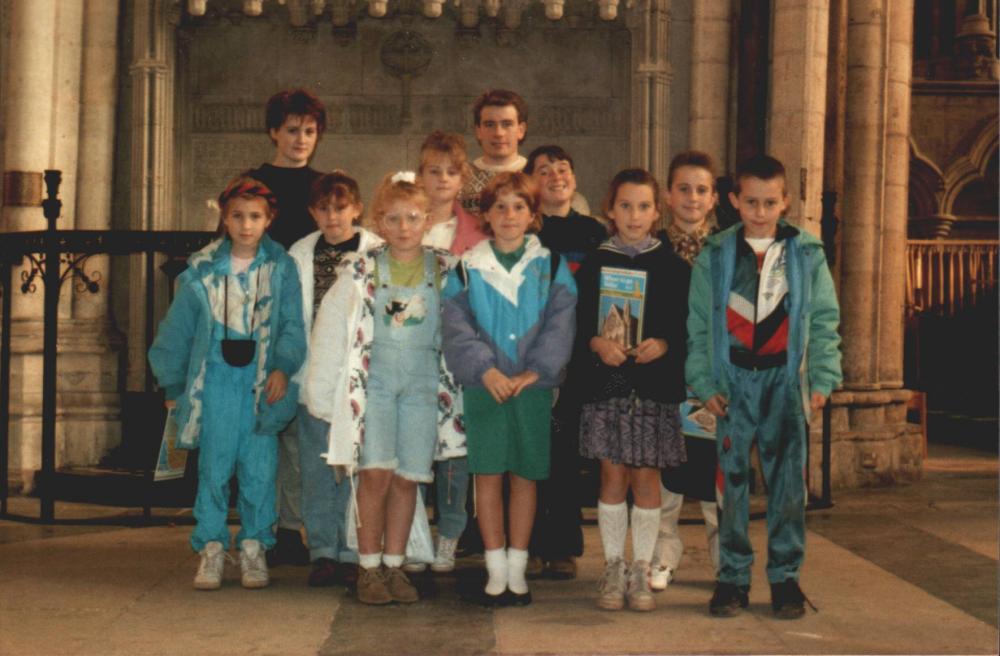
370 561
392 560
645 526
612 520
517 563
496 567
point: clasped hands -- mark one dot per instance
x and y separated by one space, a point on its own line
502 387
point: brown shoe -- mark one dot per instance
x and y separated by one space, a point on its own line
371 587
398 585
535 567
561 569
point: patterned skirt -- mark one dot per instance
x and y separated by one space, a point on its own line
633 432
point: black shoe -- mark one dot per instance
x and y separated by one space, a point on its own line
787 600
324 573
487 600
728 599
515 599
288 549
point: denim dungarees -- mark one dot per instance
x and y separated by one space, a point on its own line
401 415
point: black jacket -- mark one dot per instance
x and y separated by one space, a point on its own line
664 317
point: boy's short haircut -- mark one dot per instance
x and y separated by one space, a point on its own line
450 144
553 152
245 186
389 191
500 98
517 183
338 186
631 176
762 167
294 102
694 158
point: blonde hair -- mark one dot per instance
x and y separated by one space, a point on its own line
449 144
392 189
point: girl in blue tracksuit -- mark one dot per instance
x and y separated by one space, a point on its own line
508 325
224 353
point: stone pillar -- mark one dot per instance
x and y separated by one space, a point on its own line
798 103
872 444
152 193
649 23
708 125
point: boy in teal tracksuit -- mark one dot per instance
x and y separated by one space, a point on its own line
763 355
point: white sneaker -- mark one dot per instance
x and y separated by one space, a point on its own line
253 565
660 577
213 561
414 568
444 559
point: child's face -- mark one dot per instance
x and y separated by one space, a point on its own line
246 220
634 212
555 180
403 226
509 218
335 218
295 141
499 132
440 179
760 204
691 196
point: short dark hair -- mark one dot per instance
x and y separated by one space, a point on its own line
694 158
337 185
762 167
294 102
500 98
247 187
553 152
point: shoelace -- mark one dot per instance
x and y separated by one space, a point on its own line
446 549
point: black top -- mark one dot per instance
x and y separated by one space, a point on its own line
291 187
326 257
664 317
572 236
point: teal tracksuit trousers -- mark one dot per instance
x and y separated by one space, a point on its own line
229 445
763 407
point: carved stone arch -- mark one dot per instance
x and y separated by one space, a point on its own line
926 187
971 166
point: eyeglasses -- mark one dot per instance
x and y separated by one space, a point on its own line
410 218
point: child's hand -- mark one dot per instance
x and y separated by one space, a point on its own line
717 405
522 380
610 353
650 349
817 401
168 404
498 385
276 386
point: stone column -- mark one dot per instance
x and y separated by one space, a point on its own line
872 444
708 125
152 192
798 103
649 23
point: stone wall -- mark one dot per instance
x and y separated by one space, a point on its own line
575 80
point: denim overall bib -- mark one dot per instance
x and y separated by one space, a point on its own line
228 442
401 417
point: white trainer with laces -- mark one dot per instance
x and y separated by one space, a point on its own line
660 577
444 559
253 565
213 562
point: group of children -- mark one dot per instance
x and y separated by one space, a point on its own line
478 325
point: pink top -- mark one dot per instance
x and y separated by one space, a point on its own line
469 231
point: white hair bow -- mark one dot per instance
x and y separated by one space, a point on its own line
404 176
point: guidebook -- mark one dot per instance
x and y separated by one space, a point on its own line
620 306
171 461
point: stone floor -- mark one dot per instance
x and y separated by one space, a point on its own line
903 570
